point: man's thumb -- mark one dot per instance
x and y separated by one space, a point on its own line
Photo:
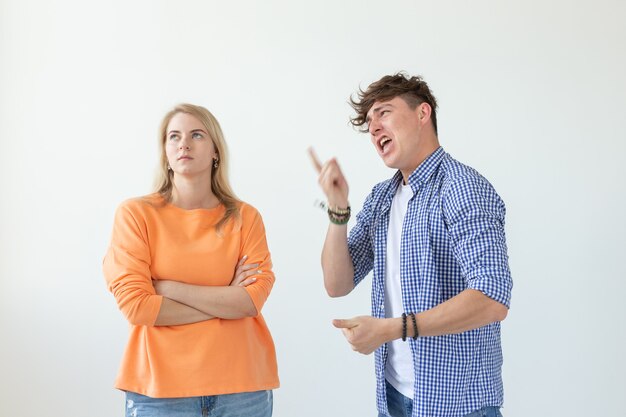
344 323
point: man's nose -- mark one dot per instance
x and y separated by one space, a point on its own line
373 126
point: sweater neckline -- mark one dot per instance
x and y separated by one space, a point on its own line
204 211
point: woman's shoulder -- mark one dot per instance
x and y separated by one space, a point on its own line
247 210
143 203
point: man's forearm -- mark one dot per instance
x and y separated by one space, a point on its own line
468 310
336 262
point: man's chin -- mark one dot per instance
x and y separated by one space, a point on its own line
390 163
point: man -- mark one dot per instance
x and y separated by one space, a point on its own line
433 235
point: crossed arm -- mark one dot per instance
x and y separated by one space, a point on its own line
148 302
186 303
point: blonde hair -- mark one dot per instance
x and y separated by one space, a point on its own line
219 177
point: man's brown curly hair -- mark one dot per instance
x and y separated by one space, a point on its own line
413 90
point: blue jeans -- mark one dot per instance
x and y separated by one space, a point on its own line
401 406
245 404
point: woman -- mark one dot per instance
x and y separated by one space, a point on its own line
190 269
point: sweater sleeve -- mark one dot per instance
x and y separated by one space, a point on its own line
255 246
126 268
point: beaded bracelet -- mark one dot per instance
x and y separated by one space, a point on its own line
338 221
339 216
403 327
415 333
336 215
339 211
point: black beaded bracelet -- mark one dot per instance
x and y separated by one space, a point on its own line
415 333
403 327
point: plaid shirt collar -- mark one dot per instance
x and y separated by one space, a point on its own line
417 179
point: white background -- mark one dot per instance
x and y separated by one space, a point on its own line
531 93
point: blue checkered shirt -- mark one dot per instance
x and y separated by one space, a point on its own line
452 239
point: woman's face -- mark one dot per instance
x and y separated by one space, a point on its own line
189 149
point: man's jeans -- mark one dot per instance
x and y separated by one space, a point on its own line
401 406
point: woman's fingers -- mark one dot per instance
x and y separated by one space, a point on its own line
242 260
243 273
247 274
246 267
247 282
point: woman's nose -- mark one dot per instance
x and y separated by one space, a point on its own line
183 144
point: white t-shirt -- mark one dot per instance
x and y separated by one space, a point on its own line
399 369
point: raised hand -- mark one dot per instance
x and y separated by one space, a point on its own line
331 180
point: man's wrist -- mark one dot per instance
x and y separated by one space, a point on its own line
339 204
393 329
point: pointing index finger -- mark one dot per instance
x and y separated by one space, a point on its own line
316 162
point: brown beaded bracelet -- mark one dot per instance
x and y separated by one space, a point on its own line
403 327
415 333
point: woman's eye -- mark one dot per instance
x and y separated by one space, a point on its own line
197 135
173 137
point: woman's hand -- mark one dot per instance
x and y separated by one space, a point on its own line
243 274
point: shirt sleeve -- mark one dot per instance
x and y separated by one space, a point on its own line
255 247
126 268
475 214
360 244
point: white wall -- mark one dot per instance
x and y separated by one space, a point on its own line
532 94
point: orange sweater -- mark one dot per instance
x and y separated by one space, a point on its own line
155 239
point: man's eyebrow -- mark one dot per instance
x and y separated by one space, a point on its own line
376 110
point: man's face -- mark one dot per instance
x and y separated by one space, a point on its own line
395 130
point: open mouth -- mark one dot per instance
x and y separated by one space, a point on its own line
383 142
